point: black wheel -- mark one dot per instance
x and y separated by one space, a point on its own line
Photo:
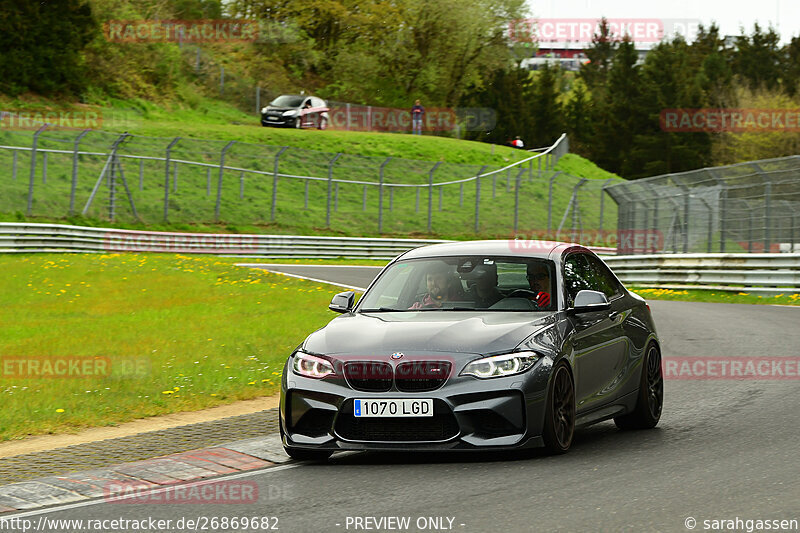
559 422
323 123
307 455
651 395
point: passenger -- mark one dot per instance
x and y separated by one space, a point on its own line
441 288
485 290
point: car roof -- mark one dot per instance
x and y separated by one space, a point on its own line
508 247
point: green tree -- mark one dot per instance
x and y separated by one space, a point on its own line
669 79
546 111
757 58
791 67
41 46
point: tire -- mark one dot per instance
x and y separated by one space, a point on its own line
323 123
559 421
298 123
650 400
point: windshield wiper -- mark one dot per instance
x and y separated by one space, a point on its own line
381 310
447 309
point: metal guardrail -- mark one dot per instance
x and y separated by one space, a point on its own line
751 273
30 237
754 273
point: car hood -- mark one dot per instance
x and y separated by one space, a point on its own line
381 334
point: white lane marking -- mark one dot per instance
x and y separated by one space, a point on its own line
114 499
317 280
301 265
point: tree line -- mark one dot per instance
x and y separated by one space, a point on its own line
444 52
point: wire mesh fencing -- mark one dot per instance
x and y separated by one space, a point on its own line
746 207
155 180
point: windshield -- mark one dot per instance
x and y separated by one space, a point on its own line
464 283
287 101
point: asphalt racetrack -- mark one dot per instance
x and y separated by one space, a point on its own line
724 450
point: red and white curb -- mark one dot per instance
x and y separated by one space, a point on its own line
234 457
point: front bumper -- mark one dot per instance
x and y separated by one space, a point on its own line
279 121
469 414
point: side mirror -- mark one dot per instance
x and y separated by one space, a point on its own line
589 301
343 302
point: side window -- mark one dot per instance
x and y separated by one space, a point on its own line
317 102
602 278
577 276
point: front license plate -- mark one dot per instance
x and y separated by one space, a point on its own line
392 408
272 118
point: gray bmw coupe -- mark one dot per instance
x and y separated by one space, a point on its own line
475 345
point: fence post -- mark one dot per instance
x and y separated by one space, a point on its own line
175 177
723 206
112 181
478 197
74 170
430 194
602 200
219 181
275 182
336 197
258 100
208 181
380 194
750 233
550 204
516 199
330 186
44 167
576 215
767 215
166 178
222 81
241 185
305 201
14 166
141 174
33 166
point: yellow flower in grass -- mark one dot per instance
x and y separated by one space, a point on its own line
168 392
252 383
59 410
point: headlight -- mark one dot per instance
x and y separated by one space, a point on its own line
311 366
290 113
501 365
264 110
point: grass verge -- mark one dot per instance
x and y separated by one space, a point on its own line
715 296
178 333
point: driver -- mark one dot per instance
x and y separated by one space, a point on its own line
539 281
440 288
